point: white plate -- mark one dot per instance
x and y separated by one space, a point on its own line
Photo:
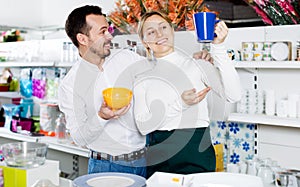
280 51
110 179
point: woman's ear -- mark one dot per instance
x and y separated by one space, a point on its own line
82 39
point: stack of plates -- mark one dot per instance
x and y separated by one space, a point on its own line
110 179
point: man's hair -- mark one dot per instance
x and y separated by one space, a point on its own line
76 22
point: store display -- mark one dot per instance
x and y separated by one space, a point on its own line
280 72
266 51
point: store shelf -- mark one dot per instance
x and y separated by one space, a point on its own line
264 119
242 20
51 141
36 64
63 64
26 64
268 64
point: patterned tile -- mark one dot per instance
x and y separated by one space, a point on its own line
237 138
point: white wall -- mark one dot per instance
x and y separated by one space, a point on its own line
41 13
55 12
20 13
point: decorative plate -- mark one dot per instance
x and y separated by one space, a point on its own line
110 179
280 51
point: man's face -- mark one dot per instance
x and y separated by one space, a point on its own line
99 37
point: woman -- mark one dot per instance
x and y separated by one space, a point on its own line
170 99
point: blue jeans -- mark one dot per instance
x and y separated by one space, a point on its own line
134 167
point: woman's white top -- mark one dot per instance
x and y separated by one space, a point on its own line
157 93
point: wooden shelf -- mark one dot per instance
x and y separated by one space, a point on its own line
264 119
268 64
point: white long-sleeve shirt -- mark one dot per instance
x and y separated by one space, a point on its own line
80 98
157 93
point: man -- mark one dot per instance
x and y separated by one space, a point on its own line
114 146
111 136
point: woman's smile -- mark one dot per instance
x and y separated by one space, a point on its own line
162 41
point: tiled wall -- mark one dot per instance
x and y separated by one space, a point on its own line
238 140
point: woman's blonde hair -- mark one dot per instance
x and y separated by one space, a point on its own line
146 15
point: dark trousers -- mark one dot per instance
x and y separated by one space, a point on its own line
182 151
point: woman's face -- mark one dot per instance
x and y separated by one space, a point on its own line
158 36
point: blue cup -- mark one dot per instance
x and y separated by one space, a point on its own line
205 26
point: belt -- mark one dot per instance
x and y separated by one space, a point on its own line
135 155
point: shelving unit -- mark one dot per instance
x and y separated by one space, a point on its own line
26 64
36 64
264 119
260 118
276 137
268 64
65 153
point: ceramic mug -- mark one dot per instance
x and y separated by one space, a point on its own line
267 45
247 55
267 55
257 55
258 46
205 26
247 46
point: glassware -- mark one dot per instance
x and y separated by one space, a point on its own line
282 179
266 173
60 129
243 167
251 167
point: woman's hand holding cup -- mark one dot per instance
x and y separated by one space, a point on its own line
221 31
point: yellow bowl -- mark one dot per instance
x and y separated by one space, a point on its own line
117 97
